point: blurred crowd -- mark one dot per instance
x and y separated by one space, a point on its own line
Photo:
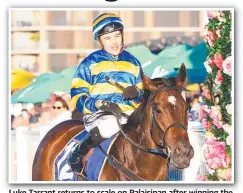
194 110
59 108
157 45
44 115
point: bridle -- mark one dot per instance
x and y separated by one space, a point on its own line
163 151
162 144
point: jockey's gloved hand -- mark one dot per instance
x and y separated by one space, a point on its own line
111 107
130 92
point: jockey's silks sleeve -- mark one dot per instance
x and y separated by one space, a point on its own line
80 90
89 83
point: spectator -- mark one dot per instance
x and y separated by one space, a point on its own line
61 110
195 102
67 98
22 120
35 115
59 113
12 119
195 109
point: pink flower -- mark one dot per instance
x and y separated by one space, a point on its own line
217 122
215 154
216 116
211 14
225 173
227 65
206 92
219 78
210 170
221 13
202 114
227 160
209 139
218 60
211 62
215 112
201 177
216 163
206 124
203 110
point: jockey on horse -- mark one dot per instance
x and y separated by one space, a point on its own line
93 93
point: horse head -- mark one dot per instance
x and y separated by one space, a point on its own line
167 111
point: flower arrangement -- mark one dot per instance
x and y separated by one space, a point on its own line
216 113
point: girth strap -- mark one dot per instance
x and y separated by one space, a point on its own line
119 166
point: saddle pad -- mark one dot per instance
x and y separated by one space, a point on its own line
93 165
97 159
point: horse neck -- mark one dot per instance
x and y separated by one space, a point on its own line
138 160
141 134
144 129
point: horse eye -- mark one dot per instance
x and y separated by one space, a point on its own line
158 110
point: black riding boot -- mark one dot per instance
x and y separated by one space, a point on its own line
91 140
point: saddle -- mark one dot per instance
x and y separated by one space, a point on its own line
95 159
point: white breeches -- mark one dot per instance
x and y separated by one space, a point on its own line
107 124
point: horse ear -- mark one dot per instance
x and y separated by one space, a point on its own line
181 77
148 84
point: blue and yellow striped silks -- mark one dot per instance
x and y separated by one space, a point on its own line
103 20
89 83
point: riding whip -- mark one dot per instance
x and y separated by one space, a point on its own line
113 82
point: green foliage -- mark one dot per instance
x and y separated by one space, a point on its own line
219 33
228 150
220 134
212 177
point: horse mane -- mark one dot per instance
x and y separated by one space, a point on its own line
137 116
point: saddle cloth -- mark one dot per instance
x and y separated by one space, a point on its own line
93 166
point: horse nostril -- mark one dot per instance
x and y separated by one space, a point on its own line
191 152
177 150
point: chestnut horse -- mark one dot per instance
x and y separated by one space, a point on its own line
155 133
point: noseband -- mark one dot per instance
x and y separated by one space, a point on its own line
163 151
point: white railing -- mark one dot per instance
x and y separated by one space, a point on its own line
24 143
